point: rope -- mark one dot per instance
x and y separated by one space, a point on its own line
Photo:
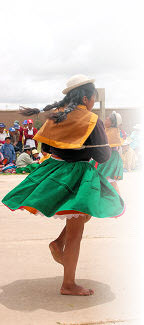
93 146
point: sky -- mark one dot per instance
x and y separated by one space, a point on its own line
43 43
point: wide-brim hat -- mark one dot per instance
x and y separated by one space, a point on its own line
118 118
77 81
16 122
26 147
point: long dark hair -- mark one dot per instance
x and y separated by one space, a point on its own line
73 98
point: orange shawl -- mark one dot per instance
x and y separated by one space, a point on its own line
70 133
114 138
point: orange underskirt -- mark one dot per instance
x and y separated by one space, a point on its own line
35 211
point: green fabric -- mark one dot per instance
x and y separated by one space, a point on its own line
112 168
58 185
27 169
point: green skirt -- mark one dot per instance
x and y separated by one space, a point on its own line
112 168
27 169
61 186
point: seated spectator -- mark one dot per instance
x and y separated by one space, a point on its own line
8 151
3 162
10 168
128 156
35 155
1 158
24 162
3 134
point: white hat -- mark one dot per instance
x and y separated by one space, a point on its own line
76 81
118 118
34 151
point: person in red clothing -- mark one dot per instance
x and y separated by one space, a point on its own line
29 134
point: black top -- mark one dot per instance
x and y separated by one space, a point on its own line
97 137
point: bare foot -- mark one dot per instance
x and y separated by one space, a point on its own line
56 252
75 290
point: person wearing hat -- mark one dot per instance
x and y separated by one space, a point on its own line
24 124
3 134
24 162
67 185
35 155
3 161
29 133
113 168
8 151
128 156
12 134
16 122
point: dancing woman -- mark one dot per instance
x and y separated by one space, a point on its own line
67 185
113 168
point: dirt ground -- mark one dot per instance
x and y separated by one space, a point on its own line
109 263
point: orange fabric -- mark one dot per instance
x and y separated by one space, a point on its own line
31 210
43 158
114 138
70 133
65 212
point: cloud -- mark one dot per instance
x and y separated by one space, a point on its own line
42 46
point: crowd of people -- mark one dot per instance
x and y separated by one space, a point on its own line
131 152
126 148
18 149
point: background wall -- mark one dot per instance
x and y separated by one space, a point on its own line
129 116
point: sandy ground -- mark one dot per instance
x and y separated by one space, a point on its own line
109 263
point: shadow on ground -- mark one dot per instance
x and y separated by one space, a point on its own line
43 293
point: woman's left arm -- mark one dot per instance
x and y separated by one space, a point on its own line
99 137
